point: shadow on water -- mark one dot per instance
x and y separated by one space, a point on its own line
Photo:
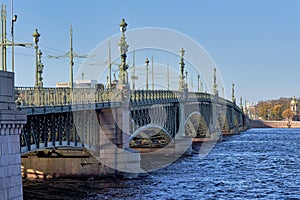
69 188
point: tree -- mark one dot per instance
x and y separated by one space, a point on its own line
287 113
277 112
263 109
272 109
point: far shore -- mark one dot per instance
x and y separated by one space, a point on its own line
274 124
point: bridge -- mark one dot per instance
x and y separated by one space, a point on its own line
60 117
97 119
104 130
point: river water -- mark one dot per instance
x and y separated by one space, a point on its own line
256 164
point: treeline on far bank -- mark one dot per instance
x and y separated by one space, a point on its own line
279 109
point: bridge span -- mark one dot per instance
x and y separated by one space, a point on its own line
98 120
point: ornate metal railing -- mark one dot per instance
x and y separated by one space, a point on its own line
27 96
154 96
36 97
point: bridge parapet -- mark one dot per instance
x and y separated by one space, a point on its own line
157 96
35 97
28 96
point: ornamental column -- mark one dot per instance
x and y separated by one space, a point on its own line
123 47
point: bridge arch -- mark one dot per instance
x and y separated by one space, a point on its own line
195 125
151 135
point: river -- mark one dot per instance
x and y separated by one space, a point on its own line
256 164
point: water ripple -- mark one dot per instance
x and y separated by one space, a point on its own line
257 164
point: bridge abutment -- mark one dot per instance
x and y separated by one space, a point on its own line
11 122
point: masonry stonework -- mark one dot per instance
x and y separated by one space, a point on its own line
11 122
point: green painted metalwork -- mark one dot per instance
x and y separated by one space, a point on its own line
123 47
36 35
39 97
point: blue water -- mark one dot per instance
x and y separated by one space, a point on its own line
256 164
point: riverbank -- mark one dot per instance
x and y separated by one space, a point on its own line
273 124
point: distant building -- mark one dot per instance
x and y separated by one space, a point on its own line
89 83
81 84
63 84
250 109
295 108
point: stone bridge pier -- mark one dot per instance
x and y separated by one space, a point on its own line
197 119
11 122
183 143
114 150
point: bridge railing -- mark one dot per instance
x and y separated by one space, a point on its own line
154 96
28 96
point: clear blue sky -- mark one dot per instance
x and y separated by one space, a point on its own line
255 44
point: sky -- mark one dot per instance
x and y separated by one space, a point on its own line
254 44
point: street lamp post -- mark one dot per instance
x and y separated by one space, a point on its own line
186 79
71 58
181 64
152 73
40 70
215 86
3 38
36 36
147 64
168 75
123 46
133 76
109 66
198 83
241 103
14 19
232 94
